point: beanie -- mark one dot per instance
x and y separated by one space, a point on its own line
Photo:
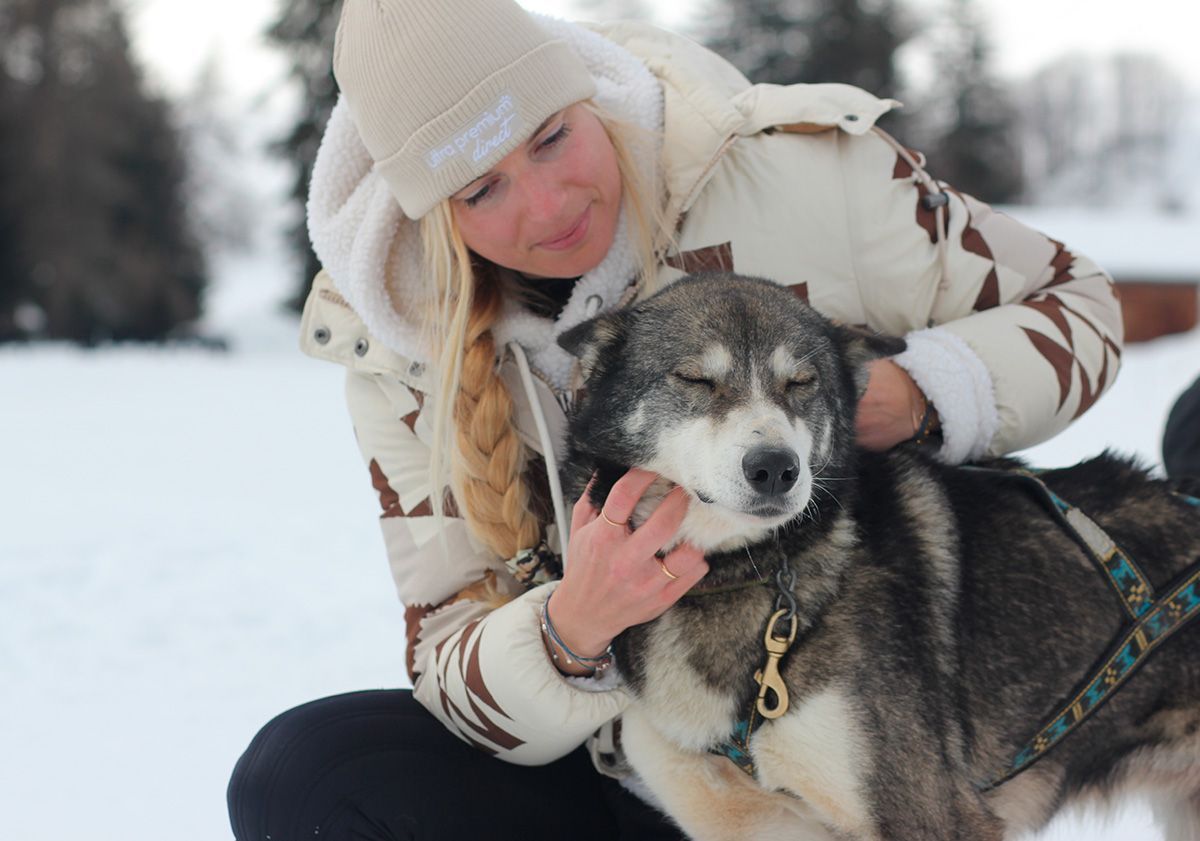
441 90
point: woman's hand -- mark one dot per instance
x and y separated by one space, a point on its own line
612 578
891 409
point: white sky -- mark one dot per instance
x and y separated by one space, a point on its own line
175 39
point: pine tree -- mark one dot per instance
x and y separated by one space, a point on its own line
305 31
976 147
10 271
790 41
93 184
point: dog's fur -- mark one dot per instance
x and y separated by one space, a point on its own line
943 614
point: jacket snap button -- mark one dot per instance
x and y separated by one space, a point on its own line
361 347
321 335
851 118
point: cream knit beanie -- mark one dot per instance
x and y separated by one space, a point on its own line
441 90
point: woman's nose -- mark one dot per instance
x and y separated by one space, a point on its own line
544 198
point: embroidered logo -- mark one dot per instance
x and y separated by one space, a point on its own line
486 133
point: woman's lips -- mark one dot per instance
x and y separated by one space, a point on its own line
572 236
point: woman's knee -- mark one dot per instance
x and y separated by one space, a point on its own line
276 785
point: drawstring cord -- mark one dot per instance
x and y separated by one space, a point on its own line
551 460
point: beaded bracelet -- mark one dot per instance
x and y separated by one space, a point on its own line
597 664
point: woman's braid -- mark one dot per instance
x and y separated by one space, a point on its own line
491 464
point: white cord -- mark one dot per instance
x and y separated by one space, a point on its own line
539 419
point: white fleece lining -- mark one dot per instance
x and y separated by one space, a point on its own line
372 251
958 384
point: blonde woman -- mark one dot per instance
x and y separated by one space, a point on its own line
489 180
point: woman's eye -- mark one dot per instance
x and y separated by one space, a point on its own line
478 196
556 138
690 380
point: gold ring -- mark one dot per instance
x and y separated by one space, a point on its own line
663 566
604 517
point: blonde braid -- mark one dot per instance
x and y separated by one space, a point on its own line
487 463
490 468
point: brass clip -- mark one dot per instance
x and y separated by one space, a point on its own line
768 676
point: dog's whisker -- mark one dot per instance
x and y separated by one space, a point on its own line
756 571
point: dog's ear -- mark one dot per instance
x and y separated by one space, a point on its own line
860 346
595 340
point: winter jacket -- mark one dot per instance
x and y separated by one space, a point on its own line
1011 335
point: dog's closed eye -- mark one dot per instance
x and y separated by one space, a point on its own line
802 382
694 380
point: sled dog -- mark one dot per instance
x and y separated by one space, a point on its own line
939 616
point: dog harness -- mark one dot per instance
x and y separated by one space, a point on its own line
1152 620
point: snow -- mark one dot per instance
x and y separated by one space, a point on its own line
1130 243
189 547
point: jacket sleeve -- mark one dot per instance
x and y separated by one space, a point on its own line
476 657
1023 333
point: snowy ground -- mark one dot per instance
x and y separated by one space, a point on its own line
189 547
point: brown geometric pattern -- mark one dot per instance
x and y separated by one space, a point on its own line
1062 262
974 243
1060 359
710 258
1053 308
389 500
989 295
1089 397
410 420
413 614
1063 361
926 217
482 726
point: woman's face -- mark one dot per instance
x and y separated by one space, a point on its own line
549 208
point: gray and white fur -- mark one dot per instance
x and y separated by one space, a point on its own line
943 614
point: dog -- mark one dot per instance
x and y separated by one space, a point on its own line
941 614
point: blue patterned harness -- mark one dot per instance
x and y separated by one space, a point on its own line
1152 621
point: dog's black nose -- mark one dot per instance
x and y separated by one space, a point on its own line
771 470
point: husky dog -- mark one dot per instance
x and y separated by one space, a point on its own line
942 614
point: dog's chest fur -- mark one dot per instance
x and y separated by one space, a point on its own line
693 668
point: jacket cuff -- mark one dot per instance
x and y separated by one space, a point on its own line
958 384
499 668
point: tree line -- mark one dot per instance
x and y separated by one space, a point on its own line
95 243
99 239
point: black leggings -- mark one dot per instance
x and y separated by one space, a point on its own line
376 766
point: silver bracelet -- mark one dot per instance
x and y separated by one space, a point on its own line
598 664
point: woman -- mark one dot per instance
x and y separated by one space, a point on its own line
489 181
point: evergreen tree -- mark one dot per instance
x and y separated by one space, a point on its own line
975 143
790 41
305 31
92 190
9 264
